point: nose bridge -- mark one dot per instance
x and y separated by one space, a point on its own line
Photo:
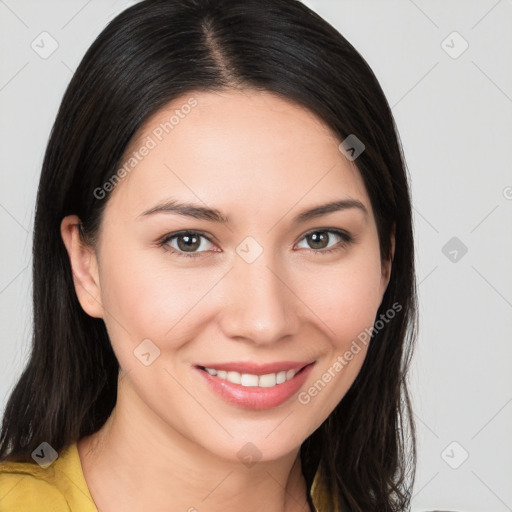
260 306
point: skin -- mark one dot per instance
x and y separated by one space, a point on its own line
171 443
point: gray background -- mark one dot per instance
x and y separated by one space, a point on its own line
453 107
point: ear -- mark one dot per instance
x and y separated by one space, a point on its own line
84 267
387 264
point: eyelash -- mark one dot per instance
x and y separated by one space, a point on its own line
346 239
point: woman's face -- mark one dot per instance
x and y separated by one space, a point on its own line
266 287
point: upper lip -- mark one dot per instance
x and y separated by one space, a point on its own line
257 368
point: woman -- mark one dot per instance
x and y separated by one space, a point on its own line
224 297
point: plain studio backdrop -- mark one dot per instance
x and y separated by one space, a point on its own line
446 69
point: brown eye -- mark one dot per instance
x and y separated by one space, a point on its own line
326 240
318 240
186 243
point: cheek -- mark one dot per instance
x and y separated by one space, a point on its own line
345 297
145 297
146 294
346 301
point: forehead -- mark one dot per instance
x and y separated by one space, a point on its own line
232 146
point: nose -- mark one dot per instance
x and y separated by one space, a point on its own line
259 304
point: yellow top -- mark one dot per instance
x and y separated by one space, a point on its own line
61 487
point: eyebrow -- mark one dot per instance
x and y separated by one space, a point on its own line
214 215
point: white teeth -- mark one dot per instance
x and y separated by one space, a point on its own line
234 377
290 374
249 380
267 381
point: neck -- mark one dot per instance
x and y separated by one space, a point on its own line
135 462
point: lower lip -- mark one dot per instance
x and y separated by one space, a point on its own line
254 397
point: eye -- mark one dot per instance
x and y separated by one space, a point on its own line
188 243
185 243
320 240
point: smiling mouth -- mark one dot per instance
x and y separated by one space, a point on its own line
267 380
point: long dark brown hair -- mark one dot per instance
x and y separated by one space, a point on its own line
150 54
